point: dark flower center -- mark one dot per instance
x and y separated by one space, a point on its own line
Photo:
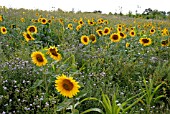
32 29
28 36
115 37
145 40
39 58
67 85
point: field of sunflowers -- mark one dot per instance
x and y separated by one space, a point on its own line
57 62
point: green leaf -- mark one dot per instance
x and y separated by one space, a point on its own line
66 103
106 103
93 109
37 83
75 111
157 98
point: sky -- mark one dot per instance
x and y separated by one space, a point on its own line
105 6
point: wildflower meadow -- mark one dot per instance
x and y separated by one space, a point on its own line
57 62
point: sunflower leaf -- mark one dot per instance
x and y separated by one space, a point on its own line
66 103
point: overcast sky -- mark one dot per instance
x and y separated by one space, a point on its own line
105 6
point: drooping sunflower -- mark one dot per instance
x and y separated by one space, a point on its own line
85 40
28 36
145 41
53 52
67 86
92 37
32 29
38 58
3 30
132 33
100 32
44 21
115 37
106 31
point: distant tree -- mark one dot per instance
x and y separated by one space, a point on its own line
130 13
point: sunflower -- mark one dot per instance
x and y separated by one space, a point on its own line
70 26
91 23
106 31
38 58
145 41
122 35
132 33
61 21
39 20
78 27
100 21
165 43
127 45
106 22
1 18
115 37
67 86
80 22
43 21
99 32
92 37
49 21
85 40
28 36
119 29
13 26
152 31
53 51
22 20
3 30
32 29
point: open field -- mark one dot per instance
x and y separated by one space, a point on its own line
59 62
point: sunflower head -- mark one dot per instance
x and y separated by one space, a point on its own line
53 52
165 43
1 18
67 86
85 40
32 29
70 26
145 41
43 21
28 36
22 20
92 37
106 31
132 33
122 35
115 37
100 32
38 58
3 30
